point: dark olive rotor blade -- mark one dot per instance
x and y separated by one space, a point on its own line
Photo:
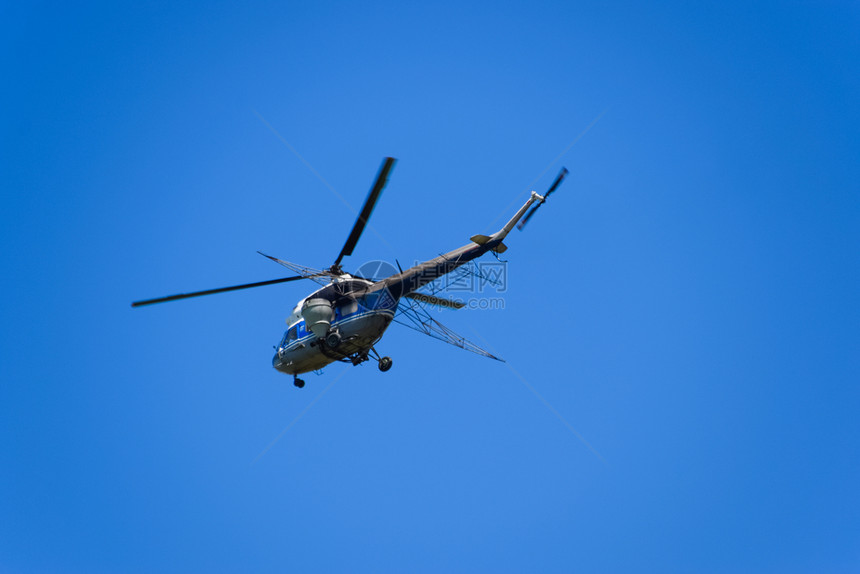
213 291
366 210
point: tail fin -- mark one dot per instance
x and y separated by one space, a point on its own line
482 239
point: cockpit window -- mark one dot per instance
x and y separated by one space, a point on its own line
290 335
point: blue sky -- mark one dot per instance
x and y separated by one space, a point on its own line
686 302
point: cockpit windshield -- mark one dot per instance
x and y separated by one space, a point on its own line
291 335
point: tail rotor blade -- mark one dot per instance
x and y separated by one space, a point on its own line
558 179
528 216
366 210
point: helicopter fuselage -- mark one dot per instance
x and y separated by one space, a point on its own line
360 317
343 320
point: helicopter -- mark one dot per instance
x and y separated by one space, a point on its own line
346 317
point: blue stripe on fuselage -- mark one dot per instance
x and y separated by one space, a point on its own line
305 336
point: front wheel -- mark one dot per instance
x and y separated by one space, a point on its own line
385 363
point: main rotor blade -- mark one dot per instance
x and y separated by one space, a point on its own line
213 291
366 210
316 275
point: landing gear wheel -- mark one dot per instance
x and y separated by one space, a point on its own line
332 340
299 383
385 363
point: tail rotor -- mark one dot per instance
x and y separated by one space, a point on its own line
559 178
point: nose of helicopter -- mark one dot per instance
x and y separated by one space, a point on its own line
282 364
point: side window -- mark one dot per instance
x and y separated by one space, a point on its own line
348 308
293 333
